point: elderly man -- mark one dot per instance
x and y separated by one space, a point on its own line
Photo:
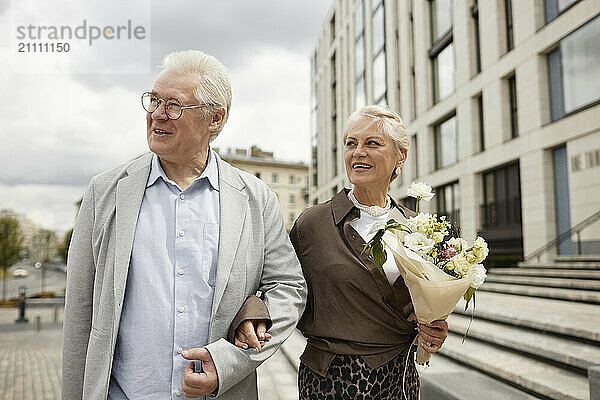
166 254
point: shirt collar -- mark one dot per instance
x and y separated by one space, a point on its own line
211 171
341 205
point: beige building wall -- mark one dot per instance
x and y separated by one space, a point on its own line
288 180
410 92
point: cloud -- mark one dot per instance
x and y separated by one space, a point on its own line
61 129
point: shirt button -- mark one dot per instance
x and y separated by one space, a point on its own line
180 309
181 233
179 350
180 271
182 196
353 236
178 393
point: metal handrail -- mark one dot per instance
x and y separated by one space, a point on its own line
563 236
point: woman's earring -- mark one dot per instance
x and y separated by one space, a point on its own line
398 170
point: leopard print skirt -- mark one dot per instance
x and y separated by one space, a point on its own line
350 378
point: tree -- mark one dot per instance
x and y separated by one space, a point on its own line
43 250
63 249
11 244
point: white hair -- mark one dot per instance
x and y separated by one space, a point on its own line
213 86
384 121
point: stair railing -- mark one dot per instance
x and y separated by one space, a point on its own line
575 230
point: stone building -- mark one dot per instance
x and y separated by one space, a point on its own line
289 180
501 99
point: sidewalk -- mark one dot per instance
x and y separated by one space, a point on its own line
30 361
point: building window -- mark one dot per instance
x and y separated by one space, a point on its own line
413 154
448 202
502 197
512 96
442 49
274 178
257 174
292 199
441 18
292 180
573 70
480 123
360 95
508 16
315 124
378 44
476 35
445 138
554 8
292 218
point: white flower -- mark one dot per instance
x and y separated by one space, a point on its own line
459 264
375 226
480 249
418 242
438 236
422 222
458 243
420 190
479 272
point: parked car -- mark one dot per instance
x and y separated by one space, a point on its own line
20 273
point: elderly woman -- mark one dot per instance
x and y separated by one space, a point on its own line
358 319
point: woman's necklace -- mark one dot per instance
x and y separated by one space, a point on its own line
374 211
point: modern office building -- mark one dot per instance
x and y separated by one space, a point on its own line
502 101
289 180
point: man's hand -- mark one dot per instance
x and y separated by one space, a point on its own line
253 333
433 335
196 384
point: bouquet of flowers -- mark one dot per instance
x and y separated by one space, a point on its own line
438 269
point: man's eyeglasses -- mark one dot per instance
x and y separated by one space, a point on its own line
173 108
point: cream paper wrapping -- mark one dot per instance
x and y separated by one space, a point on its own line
434 293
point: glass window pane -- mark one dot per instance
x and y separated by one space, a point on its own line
358 19
360 99
378 30
580 54
359 56
379 85
447 131
444 71
442 17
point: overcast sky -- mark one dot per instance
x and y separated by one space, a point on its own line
61 128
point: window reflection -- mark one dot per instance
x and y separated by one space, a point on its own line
444 72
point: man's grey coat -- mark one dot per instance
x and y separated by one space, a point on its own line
254 254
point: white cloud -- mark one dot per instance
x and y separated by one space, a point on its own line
59 130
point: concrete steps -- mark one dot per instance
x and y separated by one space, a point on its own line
525 372
559 349
565 283
585 296
592 265
549 272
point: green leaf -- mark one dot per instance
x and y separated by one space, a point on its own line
468 296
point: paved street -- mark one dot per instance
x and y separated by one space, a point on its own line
30 361
55 280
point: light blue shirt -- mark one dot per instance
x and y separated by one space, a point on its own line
170 285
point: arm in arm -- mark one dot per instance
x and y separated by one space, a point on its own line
284 293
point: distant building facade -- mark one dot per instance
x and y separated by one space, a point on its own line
289 180
502 101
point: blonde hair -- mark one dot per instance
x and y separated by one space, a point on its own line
385 121
213 86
